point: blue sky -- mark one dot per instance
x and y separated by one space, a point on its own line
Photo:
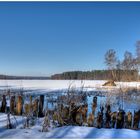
45 38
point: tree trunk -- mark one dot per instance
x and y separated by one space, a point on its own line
41 104
31 106
113 75
12 105
3 106
35 107
9 125
19 105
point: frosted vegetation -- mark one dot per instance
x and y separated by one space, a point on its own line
52 120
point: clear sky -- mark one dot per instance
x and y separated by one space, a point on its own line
46 38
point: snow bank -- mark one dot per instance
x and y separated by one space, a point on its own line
66 132
71 132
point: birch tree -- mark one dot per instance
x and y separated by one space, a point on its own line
111 61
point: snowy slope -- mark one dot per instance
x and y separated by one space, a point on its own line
16 120
71 132
67 132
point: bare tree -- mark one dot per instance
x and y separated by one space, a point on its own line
138 49
138 54
111 61
128 62
118 68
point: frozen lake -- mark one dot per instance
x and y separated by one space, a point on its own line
60 84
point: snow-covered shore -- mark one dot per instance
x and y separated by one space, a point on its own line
71 132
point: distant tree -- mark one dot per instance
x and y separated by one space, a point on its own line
111 61
137 60
128 62
138 54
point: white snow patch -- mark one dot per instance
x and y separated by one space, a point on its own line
71 132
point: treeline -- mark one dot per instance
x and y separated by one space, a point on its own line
121 75
8 77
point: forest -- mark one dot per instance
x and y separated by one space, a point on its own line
116 69
122 75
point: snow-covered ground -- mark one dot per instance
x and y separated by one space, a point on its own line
61 132
67 132
60 84
16 120
70 132
47 86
